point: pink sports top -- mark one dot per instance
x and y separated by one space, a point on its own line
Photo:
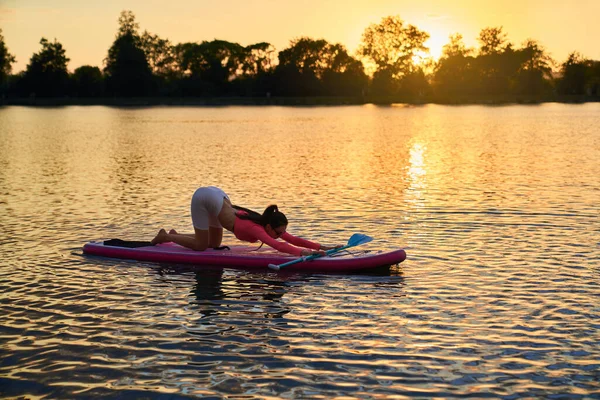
249 231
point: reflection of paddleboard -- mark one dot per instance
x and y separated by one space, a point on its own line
248 257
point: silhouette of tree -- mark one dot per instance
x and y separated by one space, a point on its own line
535 74
127 24
493 41
497 64
300 67
344 75
127 70
498 68
209 66
88 81
593 78
220 67
574 71
453 74
254 77
456 47
6 59
306 55
160 54
415 85
384 83
497 71
162 60
392 46
310 67
537 58
46 74
258 59
136 65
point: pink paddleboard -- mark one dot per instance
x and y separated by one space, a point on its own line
249 257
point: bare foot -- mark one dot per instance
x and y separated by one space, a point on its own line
161 237
172 232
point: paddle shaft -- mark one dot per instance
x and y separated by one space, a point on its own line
354 240
312 257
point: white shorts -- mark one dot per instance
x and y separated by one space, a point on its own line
206 206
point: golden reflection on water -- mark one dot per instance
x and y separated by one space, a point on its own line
494 205
417 170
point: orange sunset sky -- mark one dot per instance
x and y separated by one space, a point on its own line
87 28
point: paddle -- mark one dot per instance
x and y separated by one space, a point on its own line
355 240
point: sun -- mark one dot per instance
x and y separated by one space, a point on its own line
436 45
439 36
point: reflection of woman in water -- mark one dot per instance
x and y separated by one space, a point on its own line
243 290
212 211
209 285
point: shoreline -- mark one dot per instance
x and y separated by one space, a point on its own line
294 101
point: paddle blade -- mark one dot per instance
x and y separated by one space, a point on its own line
358 239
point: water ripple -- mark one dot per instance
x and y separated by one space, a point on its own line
497 299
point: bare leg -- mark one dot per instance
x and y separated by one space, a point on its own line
215 236
173 231
199 242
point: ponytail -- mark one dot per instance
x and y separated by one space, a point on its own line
271 216
268 215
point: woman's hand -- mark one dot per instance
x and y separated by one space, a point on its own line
337 246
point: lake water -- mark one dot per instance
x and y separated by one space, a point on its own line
497 208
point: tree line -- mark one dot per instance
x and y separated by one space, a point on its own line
391 62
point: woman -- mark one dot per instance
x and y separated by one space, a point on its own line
212 211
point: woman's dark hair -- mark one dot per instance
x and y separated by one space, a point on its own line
271 216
